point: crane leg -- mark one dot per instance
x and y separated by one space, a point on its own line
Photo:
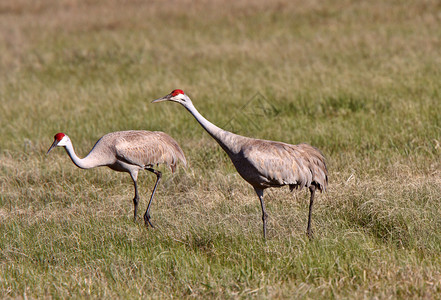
309 231
147 212
135 202
134 176
259 193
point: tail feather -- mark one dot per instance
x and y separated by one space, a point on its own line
317 166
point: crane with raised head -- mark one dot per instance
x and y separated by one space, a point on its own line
128 151
263 163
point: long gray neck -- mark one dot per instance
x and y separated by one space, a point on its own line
227 140
83 163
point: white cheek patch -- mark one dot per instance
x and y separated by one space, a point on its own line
63 141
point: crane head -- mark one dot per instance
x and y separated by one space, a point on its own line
176 96
60 139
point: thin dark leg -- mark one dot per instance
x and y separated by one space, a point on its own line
311 202
259 193
136 201
147 214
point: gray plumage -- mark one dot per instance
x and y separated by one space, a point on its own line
128 151
139 148
263 163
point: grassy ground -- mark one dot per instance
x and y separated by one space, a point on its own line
358 79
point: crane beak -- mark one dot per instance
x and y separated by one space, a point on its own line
165 98
54 144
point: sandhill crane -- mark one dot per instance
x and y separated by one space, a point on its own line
128 151
265 164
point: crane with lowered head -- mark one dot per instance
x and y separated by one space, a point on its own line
128 151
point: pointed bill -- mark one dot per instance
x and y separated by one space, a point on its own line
54 144
165 98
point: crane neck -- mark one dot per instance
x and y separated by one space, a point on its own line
83 163
227 140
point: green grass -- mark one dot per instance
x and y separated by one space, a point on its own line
359 80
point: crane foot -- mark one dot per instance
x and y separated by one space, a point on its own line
147 221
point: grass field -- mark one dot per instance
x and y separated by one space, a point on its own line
360 80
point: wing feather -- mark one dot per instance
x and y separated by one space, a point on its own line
282 164
148 148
